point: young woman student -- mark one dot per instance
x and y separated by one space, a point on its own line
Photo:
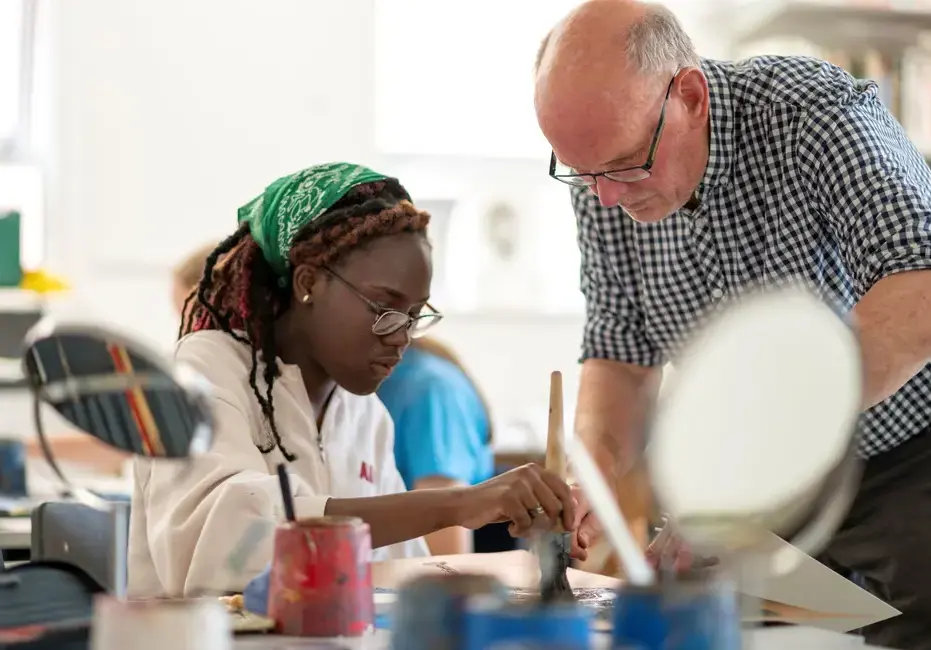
316 297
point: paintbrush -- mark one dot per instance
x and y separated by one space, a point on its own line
554 545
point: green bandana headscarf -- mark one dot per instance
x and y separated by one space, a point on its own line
290 203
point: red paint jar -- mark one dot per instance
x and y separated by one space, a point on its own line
321 578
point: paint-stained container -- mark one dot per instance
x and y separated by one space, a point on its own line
529 626
430 610
321 580
688 613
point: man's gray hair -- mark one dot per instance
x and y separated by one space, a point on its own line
657 43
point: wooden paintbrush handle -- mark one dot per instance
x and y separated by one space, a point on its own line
555 449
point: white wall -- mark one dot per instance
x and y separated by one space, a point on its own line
171 114
168 115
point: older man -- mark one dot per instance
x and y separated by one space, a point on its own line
694 179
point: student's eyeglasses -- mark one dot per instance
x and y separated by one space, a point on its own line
388 321
566 174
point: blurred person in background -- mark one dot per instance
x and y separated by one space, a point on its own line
694 179
186 275
442 434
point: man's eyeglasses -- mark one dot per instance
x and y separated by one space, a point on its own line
569 176
389 321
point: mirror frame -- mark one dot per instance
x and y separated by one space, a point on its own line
825 509
195 387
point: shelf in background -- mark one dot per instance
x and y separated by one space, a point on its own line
889 27
16 301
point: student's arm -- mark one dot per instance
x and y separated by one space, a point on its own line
196 517
512 496
441 441
399 515
448 541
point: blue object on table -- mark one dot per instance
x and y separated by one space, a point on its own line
688 616
430 610
255 595
566 627
12 468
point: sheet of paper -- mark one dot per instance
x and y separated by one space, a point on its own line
810 595
809 586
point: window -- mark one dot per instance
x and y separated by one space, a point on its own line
21 183
457 78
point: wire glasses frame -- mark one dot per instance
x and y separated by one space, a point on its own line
389 321
569 176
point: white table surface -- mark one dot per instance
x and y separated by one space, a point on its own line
15 533
772 638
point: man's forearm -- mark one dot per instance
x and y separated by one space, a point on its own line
894 324
614 399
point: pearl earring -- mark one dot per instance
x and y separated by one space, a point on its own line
306 298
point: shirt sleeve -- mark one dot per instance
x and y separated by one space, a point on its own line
614 322
199 513
437 435
874 188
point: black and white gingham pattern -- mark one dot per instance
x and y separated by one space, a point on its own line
809 179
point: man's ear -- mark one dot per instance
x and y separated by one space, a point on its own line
693 89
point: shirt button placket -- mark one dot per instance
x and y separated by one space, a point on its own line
708 257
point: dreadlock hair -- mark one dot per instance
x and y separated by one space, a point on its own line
241 294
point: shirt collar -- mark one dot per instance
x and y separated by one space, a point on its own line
721 118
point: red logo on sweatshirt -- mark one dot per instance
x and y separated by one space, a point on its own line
367 472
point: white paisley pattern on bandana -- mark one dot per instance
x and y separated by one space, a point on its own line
291 202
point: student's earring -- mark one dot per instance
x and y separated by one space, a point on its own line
306 298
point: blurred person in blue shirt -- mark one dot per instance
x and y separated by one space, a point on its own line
443 429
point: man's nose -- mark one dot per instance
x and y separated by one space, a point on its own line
610 192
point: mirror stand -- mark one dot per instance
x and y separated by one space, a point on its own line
119 510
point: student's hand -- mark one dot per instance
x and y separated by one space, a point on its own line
523 496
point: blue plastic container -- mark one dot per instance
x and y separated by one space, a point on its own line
554 627
701 614
430 610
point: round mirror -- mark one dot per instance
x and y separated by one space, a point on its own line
755 434
122 393
116 390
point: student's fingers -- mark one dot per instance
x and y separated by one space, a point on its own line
544 497
562 492
517 509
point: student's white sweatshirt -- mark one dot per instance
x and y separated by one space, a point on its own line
187 522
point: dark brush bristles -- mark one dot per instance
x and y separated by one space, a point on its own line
554 563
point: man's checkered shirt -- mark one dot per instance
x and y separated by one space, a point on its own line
809 179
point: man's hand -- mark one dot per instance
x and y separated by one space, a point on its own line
587 527
669 550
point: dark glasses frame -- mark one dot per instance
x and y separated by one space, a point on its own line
627 174
388 321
